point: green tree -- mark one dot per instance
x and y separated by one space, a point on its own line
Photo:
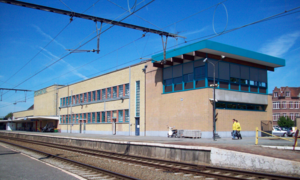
285 122
9 115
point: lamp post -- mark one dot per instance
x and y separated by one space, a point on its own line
214 104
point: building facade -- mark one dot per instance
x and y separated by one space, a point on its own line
144 98
286 102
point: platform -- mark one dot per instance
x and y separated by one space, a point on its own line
18 166
225 152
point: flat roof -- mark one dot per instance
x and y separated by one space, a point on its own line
216 48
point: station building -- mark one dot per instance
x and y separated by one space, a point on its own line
144 98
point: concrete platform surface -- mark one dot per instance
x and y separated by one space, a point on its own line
246 145
14 166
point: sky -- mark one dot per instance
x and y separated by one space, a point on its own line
25 36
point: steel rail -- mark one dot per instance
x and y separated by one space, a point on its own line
88 17
110 173
194 171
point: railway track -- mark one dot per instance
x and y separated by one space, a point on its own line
198 171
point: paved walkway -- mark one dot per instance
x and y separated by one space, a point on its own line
246 145
14 166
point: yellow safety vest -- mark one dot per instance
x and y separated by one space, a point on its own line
234 126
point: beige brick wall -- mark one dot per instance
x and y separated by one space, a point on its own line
108 80
23 113
192 109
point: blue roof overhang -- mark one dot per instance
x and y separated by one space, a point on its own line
216 48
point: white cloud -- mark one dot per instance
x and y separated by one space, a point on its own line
280 45
69 66
48 36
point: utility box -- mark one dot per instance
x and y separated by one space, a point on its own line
189 134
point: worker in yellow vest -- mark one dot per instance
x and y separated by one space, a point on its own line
238 130
233 129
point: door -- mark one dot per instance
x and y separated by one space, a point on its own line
137 126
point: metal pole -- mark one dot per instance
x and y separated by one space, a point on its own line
71 111
214 108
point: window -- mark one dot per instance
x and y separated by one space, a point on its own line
126 115
276 105
188 77
85 99
262 84
77 99
297 115
98 117
284 114
168 82
240 106
98 95
64 101
73 119
120 116
244 81
108 116
287 94
76 118
200 72
84 117
93 117
275 94
89 96
81 100
103 94
60 121
137 99
80 117
103 117
126 89
253 83
296 105
115 92
177 80
108 93
276 116
291 105
283 104
94 96
69 100
89 118
67 119
73 102
292 116
121 91
234 80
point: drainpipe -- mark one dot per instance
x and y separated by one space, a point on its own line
71 112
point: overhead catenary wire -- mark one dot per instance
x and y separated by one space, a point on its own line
285 13
43 47
79 46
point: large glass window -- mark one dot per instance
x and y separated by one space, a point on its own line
177 80
84 117
108 116
120 116
127 115
108 93
93 117
103 94
200 72
240 106
85 99
126 89
188 77
296 105
115 92
168 82
121 91
94 95
73 102
89 118
64 101
98 95
69 100
98 117
137 99
80 117
103 117
89 96
76 118
81 98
